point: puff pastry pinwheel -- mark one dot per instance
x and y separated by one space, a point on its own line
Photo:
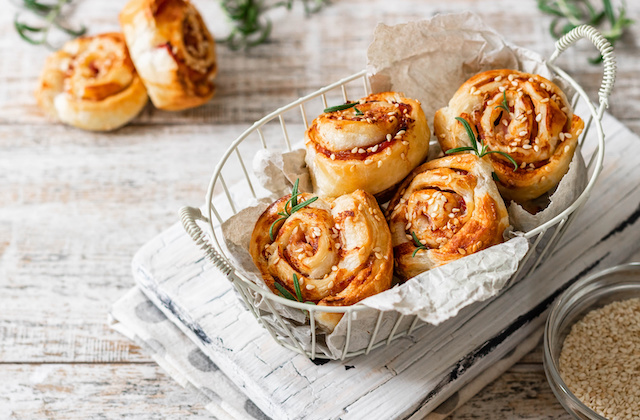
91 84
445 209
337 250
172 50
371 144
524 115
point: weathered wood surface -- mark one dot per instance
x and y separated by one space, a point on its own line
75 206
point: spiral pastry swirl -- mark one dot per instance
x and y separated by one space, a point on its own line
371 146
339 249
172 50
91 84
539 131
453 208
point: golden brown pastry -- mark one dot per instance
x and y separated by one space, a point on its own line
172 50
339 250
91 84
372 145
452 207
539 130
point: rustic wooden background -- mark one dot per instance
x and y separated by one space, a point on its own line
75 206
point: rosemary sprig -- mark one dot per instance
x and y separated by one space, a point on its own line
417 243
571 13
51 15
250 26
483 150
358 112
504 105
287 295
290 207
340 107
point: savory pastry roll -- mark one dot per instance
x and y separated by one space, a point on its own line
172 50
524 115
371 145
445 209
91 84
338 250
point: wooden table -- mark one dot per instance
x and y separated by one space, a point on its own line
76 205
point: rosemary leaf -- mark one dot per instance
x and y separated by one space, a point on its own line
504 105
358 112
460 149
340 107
417 243
512 160
284 292
274 224
296 284
470 133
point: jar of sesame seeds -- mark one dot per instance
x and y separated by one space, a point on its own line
592 345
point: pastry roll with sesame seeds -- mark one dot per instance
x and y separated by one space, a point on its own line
372 145
173 51
91 84
338 249
539 130
445 209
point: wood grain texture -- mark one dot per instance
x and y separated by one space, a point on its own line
76 205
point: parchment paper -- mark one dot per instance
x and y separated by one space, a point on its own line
426 60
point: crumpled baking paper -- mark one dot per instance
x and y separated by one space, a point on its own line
440 55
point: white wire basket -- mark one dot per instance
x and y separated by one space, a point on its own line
275 132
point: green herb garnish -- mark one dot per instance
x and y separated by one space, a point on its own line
358 112
287 295
290 207
495 176
51 15
417 243
250 26
504 105
340 107
483 150
569 14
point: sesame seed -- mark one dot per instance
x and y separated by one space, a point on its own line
354 150
330 285
526 146
567 135
545 100
451 215
498 78
409 237
401 132
352 168
462 251
538 117
543 86
301 281
374 148
514 83
536 148
310 287
402 155
378 255
505 122
389 137
379 163
368 162
523 133
334 268
543 178
338 246
511 77
333 157
442 135
501 88
561 136
361 150
566 149
531 80
405 143
408 226
513 143
473 89
579 132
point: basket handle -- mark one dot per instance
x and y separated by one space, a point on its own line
188 217
606 50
